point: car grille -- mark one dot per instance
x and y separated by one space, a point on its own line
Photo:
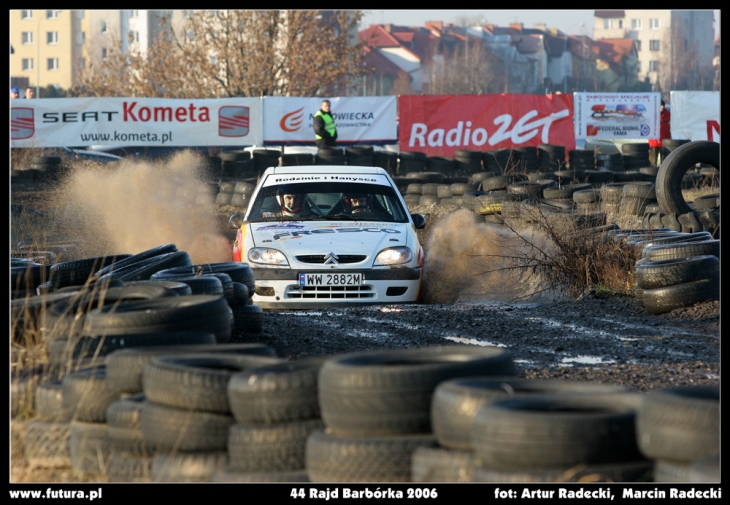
331 292
319 259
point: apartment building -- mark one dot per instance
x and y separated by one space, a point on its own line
50 47
668 42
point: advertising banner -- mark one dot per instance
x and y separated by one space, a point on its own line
60 122
617 116
439 125
695 115
359 120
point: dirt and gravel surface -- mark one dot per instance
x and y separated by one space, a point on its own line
597 337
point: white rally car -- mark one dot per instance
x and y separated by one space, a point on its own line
329 235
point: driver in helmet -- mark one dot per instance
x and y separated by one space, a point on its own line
290 203
357 203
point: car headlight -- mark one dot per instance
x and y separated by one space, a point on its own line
394 256
267 257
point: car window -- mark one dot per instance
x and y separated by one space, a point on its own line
327 201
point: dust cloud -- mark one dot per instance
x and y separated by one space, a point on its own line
139 205
472 261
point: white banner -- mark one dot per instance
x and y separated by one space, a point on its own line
616 115
695 115
59 122
359 120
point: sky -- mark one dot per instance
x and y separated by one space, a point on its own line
570 21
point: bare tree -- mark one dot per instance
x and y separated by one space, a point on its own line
458 71
680 65
222 53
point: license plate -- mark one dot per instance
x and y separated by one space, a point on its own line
330 279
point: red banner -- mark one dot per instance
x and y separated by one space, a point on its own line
439 125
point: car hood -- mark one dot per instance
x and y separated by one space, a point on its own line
317 237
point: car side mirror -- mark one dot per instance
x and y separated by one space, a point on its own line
236 220
418 221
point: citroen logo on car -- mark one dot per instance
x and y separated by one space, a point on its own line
331 259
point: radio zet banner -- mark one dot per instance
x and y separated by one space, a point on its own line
359 120
439 125
58 122
695 115
620 116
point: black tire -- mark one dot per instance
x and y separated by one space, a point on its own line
330 458
85 393
668 298
680 424
542 431
229 475
187 466
46 444
126 468
125 367
235 155
89 448
168 314
278 393
658 274
241 295
456 402
171 429
48 398
238 272
248 320
200 285
179 288
276 447
673 168
196 382
633 471
389 392
144 255
681 250
144 269
78 272
705 469
439 464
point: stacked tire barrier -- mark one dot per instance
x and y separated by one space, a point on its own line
237 164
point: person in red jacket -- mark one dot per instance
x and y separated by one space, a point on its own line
655 145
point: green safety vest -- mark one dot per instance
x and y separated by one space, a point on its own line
329 124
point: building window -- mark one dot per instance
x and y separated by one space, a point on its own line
104 53
653 45
638 45
26 38
134 13
636 24
620 23
52 63
654 24
50 14
27 63
52 38
80 37
133 36
26 14
638 66
104 26
608 23
79 14
654 66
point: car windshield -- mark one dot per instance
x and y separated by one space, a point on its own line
327 201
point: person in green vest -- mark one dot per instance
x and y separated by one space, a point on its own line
325 130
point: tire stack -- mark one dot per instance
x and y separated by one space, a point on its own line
635 155
297 159
679 430
47 168
673 208
275 408
265 158
413 194
361 156
581 159
330 156
46 437
376 408
131 456
185 417
526 159
411 161
237 164
429 193
441 164
225 193
635 197
550 157
467 162
559 437
669 145
386 160
497 161
458 189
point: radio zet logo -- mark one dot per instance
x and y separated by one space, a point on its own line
292 121
233 121
22 125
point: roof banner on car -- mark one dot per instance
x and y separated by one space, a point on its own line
59 122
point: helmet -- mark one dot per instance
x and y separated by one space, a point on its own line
289 206
349 197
